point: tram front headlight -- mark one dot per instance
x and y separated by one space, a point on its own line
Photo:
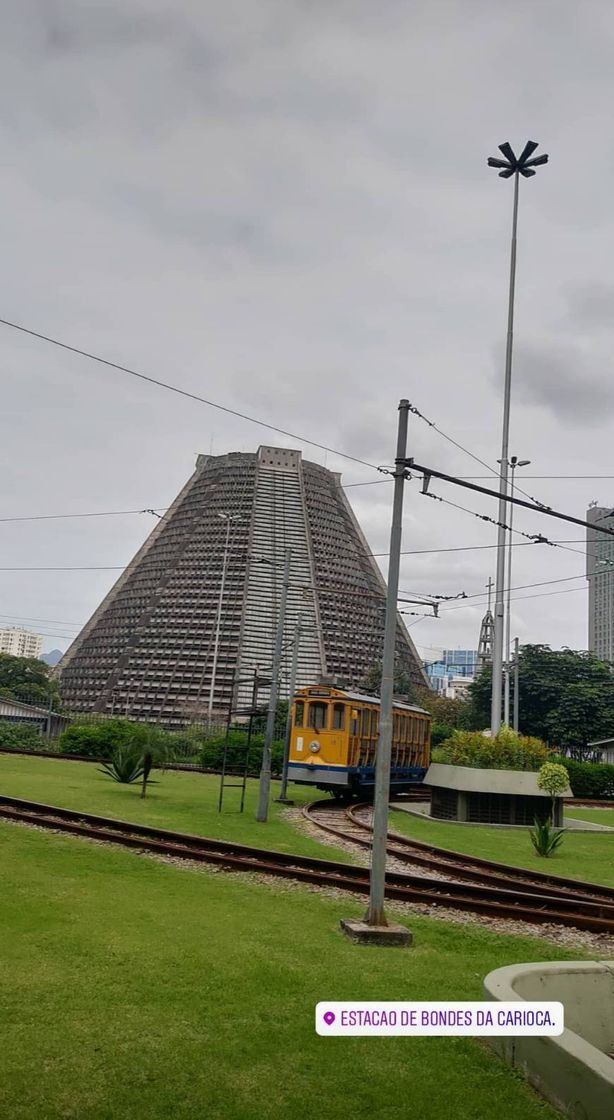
314 747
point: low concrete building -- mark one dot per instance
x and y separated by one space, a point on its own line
14 711
466 793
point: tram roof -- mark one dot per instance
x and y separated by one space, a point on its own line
332 692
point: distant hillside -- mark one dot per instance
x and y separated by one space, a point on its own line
51 658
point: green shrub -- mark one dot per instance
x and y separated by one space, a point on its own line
212 752
101 739
440 732
589 779
506 751
22 736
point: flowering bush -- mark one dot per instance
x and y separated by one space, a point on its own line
506 751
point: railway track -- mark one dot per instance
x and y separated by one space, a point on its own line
354 824
582 911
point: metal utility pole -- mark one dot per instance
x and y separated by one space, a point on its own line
515 462
283 793
516 685
515 166
375 913
265 772
228 518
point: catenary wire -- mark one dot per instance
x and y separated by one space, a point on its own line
183 392
476 458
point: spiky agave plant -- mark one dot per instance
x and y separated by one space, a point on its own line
125 766
545 838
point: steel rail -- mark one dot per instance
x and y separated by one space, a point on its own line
476 898
478 867
484 873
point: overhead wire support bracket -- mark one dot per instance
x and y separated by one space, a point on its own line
417 467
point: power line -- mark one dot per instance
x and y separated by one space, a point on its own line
74 568
471 455
183 392
525 586
105 513
536 538
474 547
430 472
51 621
517 598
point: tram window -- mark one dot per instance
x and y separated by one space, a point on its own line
364 724
396 728
353 722
338 717
317 715
299 711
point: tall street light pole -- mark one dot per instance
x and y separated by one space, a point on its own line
228 518
515 462
516 684
265 771
283 793
515 166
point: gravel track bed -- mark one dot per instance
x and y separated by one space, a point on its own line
600 945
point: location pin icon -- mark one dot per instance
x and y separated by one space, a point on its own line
329 1017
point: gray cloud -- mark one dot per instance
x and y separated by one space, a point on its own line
567 380
592 307
285 207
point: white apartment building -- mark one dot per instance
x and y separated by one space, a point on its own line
20 643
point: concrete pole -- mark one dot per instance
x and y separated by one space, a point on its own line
218 621
508 608
516 685
265 772
375 913
283 793
497 659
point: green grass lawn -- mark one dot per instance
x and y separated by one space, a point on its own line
582 855
184 802
136 990
598 816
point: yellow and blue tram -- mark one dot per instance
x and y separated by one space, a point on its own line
333 741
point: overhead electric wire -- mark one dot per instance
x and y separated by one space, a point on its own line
71 568
49 621
105 513
183 392
476 458
517 598
536 538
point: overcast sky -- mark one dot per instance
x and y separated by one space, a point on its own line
285 207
